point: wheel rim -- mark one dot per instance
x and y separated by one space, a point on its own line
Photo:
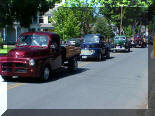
46 73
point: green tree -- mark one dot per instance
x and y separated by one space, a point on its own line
66 23
128 30
23 10
1 41
103 27
132 16
127 3
85 13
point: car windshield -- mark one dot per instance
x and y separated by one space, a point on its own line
33 40
120 38
91 39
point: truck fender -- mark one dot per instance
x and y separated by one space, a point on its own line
44 64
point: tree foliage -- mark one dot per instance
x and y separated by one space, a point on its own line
72 21
131 16
103 27
22 10
86 12
66 23
127 3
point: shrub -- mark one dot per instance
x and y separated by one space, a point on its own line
1 41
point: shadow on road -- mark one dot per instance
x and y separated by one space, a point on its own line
66 73
122 52
55 76
94 60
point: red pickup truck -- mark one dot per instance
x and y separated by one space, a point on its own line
38 54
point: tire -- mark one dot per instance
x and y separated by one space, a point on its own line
72 65
128 49
45 76
6 78
108 55
99 57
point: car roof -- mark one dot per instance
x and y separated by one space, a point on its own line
120 36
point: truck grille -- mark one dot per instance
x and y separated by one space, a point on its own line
14 67
7 64
21 70
7 69
21 65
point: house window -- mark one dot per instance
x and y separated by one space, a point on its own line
41 19
49 17
34 20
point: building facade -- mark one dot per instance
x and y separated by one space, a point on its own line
42 23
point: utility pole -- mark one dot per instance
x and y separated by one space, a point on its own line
121 19
87 22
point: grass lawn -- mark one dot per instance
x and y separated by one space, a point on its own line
6 49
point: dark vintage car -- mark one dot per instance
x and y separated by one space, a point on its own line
138 41
37 54
94 47
121 43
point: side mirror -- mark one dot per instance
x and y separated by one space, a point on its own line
52 47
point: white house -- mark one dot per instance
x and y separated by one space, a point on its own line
42 23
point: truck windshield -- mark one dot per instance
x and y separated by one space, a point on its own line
33 40
91 39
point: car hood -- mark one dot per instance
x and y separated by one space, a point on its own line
120 42
23 52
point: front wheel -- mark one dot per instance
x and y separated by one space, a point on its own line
73 64
108 54
128 49
99 57
45 76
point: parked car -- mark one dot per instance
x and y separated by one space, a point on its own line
94 47
121 44
75 42
38 54
138 41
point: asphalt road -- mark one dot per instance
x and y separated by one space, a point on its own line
117 83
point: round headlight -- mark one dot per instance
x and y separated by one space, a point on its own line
31 62
92 51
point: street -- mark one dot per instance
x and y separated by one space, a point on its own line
117 83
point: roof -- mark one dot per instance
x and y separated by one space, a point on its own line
49 26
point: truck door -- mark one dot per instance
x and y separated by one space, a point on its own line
56 60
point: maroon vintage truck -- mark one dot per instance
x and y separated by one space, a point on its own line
38 54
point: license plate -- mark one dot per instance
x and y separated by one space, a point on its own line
85 52
84 57
117 47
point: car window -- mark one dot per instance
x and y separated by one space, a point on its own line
33 40
91 39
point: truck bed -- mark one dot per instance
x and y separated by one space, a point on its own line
70 51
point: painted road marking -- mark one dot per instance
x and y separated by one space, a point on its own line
11 86
14 85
